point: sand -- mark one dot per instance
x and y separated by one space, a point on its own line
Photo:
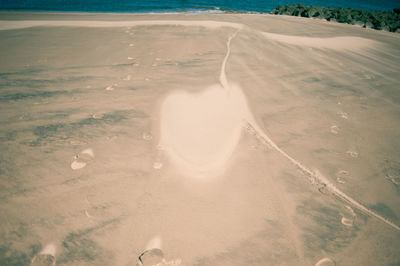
232 139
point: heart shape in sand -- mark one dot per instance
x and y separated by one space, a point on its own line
199 131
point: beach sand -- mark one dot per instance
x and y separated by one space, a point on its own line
220 139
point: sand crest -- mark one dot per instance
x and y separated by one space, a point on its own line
335 43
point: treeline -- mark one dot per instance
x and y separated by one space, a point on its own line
379 20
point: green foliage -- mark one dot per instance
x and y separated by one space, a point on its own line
379 20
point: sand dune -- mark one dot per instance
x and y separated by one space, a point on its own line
335 43
297 146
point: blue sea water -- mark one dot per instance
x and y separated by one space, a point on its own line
146 6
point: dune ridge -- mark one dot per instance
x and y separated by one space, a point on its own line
335 43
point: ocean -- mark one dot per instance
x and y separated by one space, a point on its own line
172 6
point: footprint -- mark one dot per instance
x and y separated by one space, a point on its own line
341 176
110 88
325 262
129 77
392 171
112 138
348 217
82 159
97 116
353 154
147 136
343 115
334 129
46 257
157 165
394 179
153 254
77 142
346 221
368 76
351 211
88 215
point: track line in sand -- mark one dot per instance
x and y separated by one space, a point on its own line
317 178
222 77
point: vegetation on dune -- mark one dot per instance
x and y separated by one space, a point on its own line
379 20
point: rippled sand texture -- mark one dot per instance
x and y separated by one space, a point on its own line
206 139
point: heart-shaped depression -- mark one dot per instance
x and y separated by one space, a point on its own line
199 131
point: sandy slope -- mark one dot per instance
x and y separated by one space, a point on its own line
230 139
